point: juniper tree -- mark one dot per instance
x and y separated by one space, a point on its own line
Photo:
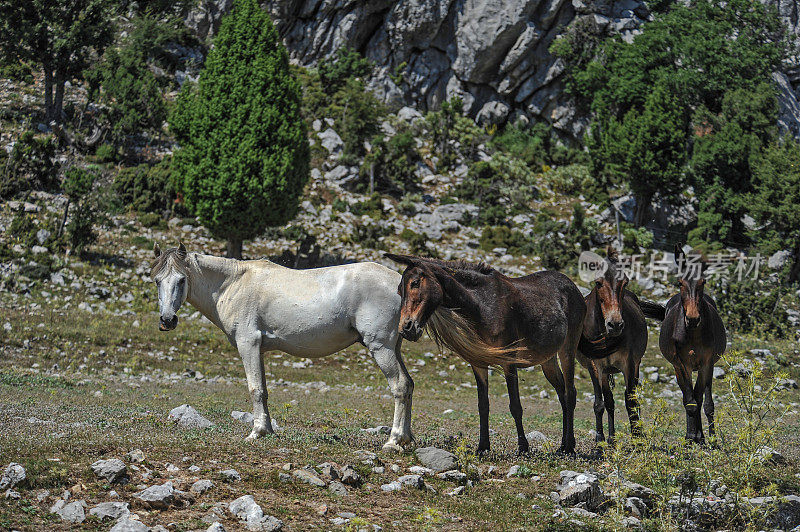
243 157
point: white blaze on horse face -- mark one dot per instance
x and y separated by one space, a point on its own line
171 295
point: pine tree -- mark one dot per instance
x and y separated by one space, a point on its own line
244 156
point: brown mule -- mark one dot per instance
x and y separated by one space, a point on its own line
614 311
489 319
693 339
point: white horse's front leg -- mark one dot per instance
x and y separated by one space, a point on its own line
250 350
402 386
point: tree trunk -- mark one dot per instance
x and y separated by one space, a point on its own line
58 101
794 273
48 94
235 248
642 204
64 219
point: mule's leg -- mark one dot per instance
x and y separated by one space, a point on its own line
482 380
631 375
703 377
250 350
599 407
566 358
684 377
608 401
514 404
708 405
402 388
556 379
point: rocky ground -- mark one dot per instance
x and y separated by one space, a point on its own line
108 424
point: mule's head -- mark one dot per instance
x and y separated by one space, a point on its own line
421 292
691 283
610 289
170 273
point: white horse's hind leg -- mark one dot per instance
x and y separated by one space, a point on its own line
250 351
391 363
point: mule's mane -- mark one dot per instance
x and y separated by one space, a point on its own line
460 265
172 256
452 330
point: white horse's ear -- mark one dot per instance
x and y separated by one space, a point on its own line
156 250
181 250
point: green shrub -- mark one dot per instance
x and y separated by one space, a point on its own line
637 237
147 188
151 219
501 187
501 236
569 180
105 153
30 166
23 229
530 144
128 88
754 306
336 71
78 186
449 128
418 242
393 163
357 113
368 235
372 207
15 70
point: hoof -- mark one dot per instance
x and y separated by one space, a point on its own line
481 453
566 450
392 447
253 436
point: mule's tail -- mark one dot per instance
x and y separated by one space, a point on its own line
653 310
601 347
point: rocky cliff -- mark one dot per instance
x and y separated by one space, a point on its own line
492 53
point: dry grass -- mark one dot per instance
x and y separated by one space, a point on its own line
115 383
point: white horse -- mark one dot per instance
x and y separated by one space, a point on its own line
261 306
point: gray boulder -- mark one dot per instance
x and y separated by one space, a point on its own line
13 475
126 524
110 510
189 418
304 475
244 417
160 497
72 512
247 510
331 141
112 470
201 486
437 459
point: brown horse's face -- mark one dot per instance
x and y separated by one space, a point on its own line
610 289
691 297
421 294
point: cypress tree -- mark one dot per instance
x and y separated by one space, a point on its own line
243 157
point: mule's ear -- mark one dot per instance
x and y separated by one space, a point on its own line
156 250
181 250
409 260
679 253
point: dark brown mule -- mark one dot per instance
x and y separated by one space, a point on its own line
614 311
489 319
693 339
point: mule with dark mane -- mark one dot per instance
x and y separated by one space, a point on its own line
489 319
612 310
693 339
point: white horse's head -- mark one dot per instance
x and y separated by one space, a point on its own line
170 273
